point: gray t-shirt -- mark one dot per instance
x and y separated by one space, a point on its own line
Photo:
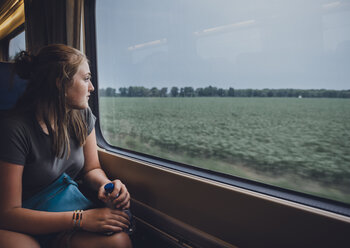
23 142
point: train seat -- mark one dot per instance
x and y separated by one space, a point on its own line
11 87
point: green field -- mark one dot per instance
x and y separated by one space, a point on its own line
301 144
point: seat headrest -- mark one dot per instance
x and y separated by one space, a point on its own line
10 91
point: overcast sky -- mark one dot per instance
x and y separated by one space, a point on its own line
224 43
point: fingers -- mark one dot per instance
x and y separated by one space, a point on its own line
123 201
120 216
105 219
119 189
109 228
120 197
102 196
118 221
109 197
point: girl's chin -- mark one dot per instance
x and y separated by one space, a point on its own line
80 106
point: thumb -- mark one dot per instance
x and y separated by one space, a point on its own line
102 196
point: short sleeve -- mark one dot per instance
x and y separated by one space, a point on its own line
90 120
14 144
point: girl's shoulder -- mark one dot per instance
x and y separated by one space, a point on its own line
21 124
15 138
15 123
89 119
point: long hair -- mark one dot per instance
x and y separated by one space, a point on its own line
50 72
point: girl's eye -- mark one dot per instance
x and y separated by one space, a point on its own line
87 78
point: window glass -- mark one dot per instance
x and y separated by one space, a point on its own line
256 89
17 44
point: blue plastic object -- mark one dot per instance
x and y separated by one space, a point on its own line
109 187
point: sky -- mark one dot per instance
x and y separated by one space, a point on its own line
224 43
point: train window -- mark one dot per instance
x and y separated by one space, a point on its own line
17 43
256 89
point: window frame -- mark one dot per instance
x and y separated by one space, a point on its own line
269 190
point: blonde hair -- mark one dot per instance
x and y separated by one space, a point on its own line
50 72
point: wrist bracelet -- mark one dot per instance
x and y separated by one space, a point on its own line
77 219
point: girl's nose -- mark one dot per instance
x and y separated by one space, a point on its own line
91 87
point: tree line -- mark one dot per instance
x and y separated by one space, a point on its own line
210 91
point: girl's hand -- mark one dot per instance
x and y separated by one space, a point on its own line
119 198
104 220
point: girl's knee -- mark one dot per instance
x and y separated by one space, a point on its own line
94 240
10 239
119 240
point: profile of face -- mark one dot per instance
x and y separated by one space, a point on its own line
77 94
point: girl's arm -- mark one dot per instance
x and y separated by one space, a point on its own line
15 218
96 178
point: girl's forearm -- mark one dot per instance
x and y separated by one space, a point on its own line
36 222
96 178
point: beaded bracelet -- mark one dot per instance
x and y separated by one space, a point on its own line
77 219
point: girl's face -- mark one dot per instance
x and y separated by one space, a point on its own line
77 94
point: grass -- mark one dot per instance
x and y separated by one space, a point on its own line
301 144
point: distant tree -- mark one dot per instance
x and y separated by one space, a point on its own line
130 91
257 93
249 92
110 92
182 92
210 91
163 92
221 92
140 91
154 92
145 91
264 92
123 91
174 92
188 92
345 94
137 91
231 92
199 92
331 93
291 93
102 92
269 93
